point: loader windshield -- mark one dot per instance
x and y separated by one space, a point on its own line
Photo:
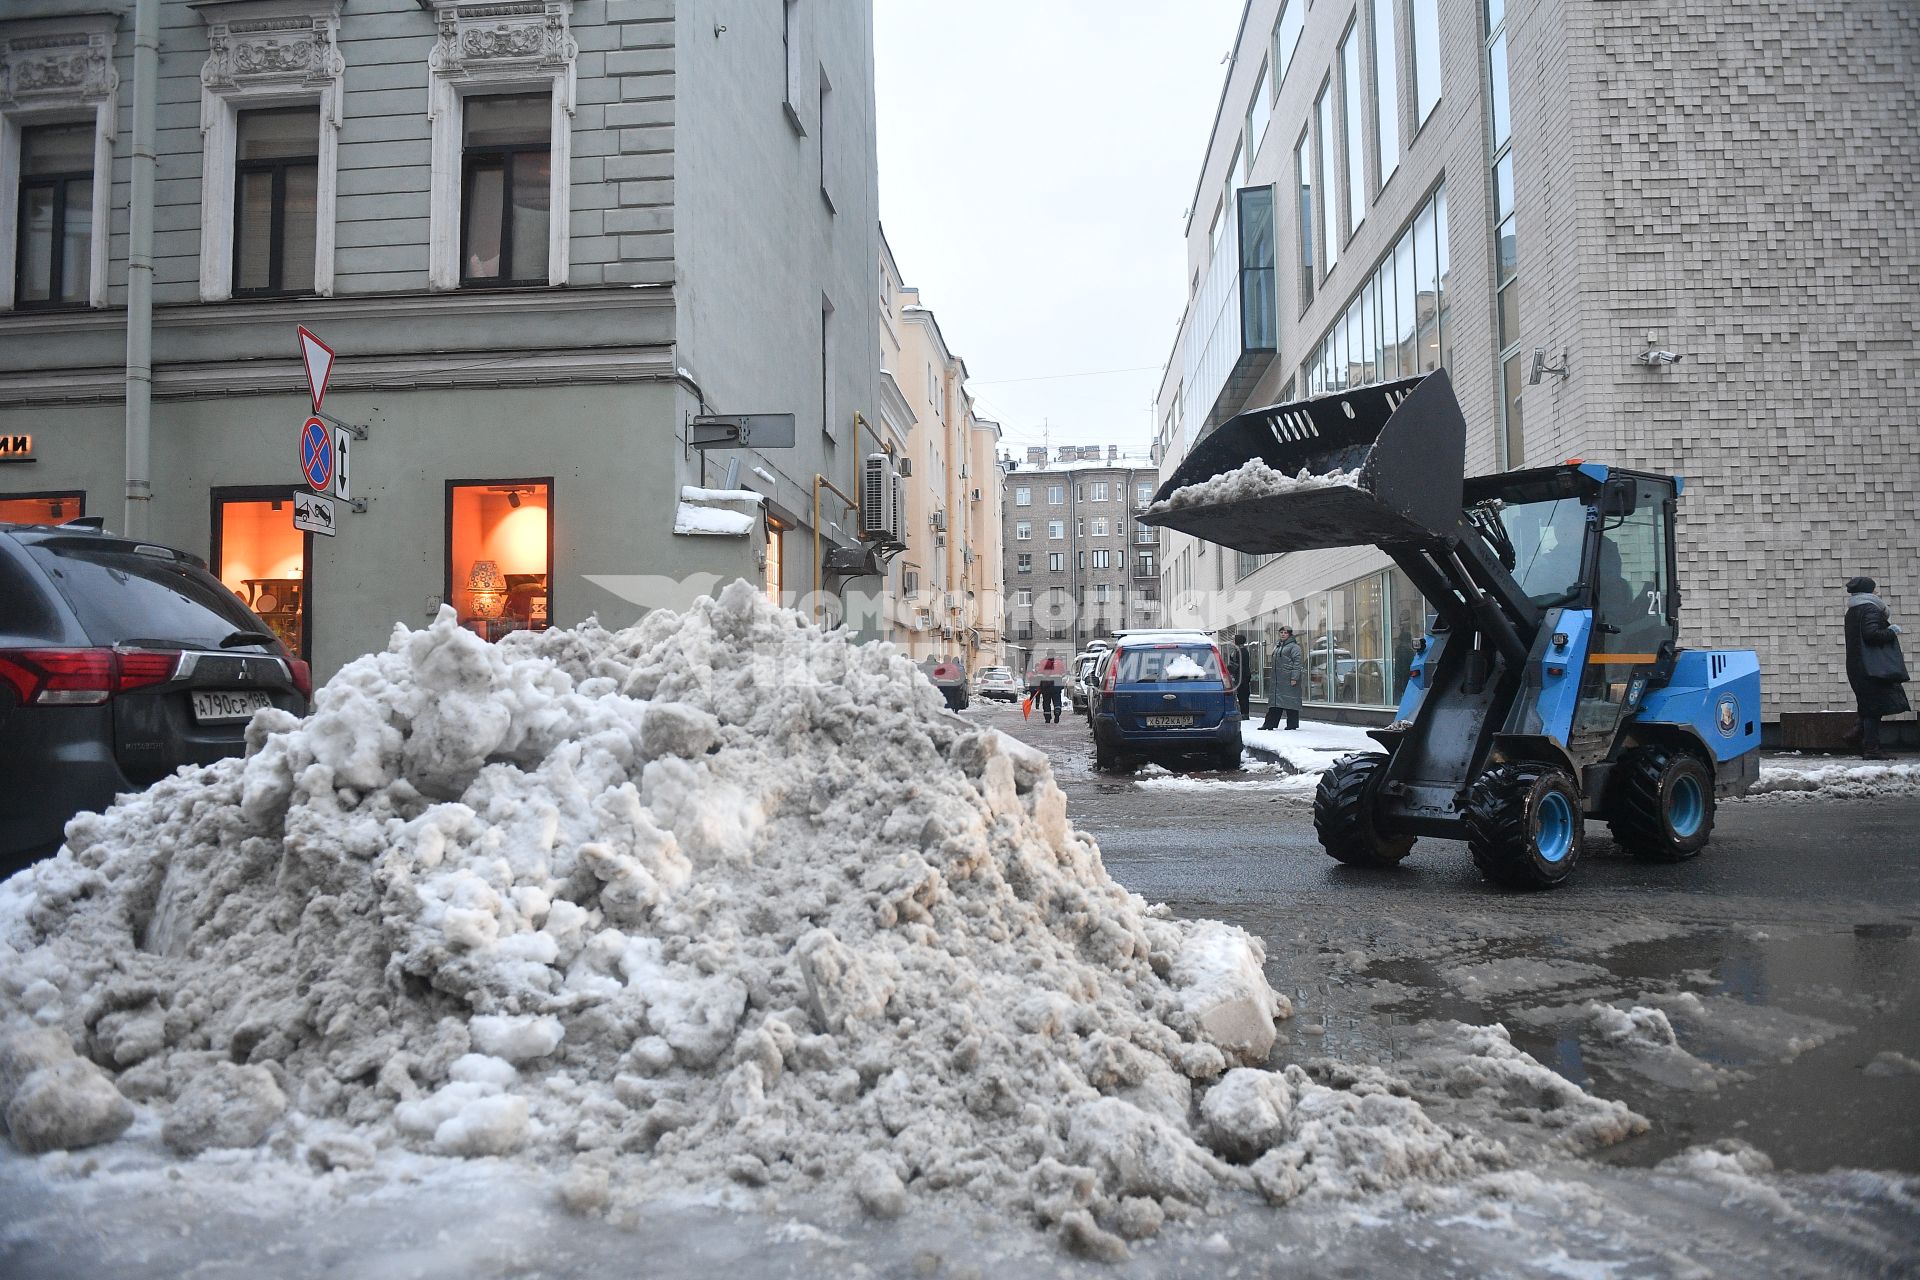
1547 538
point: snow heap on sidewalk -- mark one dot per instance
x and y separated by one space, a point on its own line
721 900
1251 479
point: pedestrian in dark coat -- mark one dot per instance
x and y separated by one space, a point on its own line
1875 666
1046 679
1243 676
1286 681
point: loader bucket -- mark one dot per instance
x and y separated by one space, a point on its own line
1406 437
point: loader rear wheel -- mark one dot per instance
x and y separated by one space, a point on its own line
1661 809
1524 825
1343 814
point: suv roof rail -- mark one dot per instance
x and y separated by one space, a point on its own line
96 523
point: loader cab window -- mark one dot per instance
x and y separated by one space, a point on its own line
1632 606
1548 538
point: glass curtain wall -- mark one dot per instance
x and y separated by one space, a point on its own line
1396 325
1506 282
1357 638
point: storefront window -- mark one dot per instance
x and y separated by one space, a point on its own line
263 559
500 554
41 508
1407 612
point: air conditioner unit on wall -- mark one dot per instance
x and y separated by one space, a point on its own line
940 522
880 500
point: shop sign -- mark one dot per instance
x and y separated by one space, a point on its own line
16 447
313 513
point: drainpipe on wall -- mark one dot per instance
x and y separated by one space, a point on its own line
146 66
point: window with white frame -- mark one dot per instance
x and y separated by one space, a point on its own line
1099 527
1259 111
1056 494
1142 495
1023 563
1386 88
1080 527
270 105
1103 593
1023 597
1056 529
1352 96
1426 59
1286 32
500 200
1099 490
1023 531
1102 560
1022 496
57 121
1056 561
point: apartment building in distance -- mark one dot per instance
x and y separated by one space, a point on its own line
944 590
1674 236
540 235
1079 567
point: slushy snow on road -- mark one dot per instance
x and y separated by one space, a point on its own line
721 900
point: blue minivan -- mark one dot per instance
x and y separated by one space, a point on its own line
1162 694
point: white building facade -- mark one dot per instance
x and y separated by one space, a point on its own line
1397 185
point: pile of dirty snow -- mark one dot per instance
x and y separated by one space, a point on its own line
1794 776
1251 479
719 901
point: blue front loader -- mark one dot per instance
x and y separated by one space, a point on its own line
1550 687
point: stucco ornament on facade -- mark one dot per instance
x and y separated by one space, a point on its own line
514 38
66 66
300 50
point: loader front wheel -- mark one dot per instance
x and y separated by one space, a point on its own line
1661 809
1343 814
1524 825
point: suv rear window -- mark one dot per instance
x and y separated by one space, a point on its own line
1154 664
120 594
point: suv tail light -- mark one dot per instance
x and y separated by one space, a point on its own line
302 673
82 677
1113 673
1220 665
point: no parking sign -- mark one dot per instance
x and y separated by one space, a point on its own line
316 455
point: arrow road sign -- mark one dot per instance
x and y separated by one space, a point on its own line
313 513
318 358
341 439
316 454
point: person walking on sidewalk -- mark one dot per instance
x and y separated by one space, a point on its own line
1243 676
1284 684
1047 677
1875 666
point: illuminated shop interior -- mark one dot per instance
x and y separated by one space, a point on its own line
500 555
263 560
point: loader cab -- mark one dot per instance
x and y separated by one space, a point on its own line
1593 547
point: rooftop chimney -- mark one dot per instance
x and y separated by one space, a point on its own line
1037 455
1113 453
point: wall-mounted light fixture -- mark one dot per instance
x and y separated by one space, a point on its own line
1541 368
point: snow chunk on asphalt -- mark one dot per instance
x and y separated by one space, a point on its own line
719 903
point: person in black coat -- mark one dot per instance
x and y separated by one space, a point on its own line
1875 666
1243 675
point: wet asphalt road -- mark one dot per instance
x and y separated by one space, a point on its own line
1799 929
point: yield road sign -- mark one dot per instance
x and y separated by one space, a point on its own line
316 455
313 513
341 439
317 356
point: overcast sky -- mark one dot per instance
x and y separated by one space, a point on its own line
1035 158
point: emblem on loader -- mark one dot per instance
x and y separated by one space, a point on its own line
1729 714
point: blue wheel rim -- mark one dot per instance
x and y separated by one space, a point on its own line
1555 836
1686 807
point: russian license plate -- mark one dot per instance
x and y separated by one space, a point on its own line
1169 722
211 706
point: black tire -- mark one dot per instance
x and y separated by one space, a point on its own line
1227 758
1661 805
1343 815
1524 825
1103 759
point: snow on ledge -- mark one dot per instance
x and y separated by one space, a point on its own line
717 513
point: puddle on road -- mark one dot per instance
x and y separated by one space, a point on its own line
1771 1036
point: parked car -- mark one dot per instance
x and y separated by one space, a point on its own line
120 661
1084 668
1164 694
996 682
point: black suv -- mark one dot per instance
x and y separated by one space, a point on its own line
120 661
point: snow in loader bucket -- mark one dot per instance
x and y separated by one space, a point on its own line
1406 440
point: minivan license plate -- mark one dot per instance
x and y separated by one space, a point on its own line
211 706
1169 722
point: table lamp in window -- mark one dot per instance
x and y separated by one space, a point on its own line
488 587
